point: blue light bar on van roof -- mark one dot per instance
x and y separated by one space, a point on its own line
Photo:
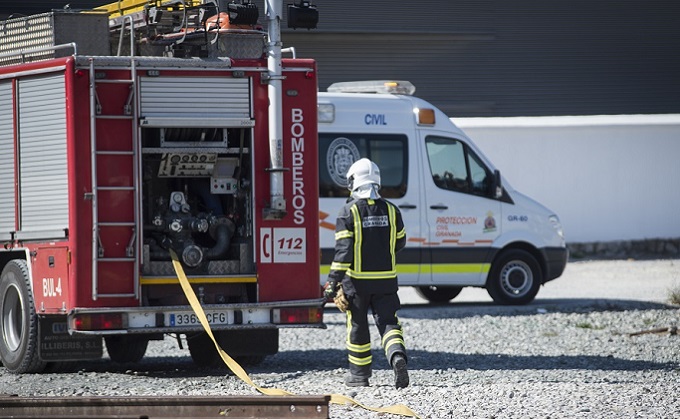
397 87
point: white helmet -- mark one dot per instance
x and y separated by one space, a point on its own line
362 172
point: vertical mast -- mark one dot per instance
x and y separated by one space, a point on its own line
273 11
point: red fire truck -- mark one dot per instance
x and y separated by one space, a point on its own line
129 133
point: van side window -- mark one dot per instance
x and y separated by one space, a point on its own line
337 152
455 167
480 175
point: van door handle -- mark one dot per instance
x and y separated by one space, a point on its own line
407 206
439 207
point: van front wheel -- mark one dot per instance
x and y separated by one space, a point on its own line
515 278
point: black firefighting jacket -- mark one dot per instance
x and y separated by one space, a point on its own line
368 234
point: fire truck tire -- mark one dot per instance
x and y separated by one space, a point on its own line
20 340
126 348
247 348
203 351
515 278
438 294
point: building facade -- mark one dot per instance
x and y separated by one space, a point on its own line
491 57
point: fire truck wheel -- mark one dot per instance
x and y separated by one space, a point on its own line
515 278
438 294
203 351
18 322
126 348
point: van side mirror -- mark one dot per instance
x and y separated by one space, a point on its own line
496 186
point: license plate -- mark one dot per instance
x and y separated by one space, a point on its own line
180 319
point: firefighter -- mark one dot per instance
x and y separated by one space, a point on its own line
368 233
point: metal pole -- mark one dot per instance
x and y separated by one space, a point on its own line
94 193
273 10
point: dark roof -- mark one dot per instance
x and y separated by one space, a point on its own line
32 7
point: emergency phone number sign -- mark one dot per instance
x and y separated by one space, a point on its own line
283 245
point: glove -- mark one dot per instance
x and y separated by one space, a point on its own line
330 289
340 299
333 290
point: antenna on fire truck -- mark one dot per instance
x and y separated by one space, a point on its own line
300 15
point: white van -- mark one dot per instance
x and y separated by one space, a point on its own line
464 226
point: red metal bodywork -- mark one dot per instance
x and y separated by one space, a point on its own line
286 251
291 280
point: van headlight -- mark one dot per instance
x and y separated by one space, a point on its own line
555 222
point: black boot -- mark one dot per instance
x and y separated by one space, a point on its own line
351 380
400 371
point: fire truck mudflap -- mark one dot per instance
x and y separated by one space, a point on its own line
56 344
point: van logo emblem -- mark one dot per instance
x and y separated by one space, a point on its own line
342 153
489 223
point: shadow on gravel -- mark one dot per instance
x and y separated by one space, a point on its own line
539 306
294 361
165 367
291 362
439 360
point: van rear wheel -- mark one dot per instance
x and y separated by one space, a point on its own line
438 294
515 278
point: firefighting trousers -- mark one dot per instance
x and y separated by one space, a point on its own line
384 308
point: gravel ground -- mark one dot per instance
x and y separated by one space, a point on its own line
569 354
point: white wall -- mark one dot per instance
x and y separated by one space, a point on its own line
608 178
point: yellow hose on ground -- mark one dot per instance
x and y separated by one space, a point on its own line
398 409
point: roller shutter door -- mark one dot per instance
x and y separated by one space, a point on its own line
495 58
398 56
7 216
195 101
43 183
